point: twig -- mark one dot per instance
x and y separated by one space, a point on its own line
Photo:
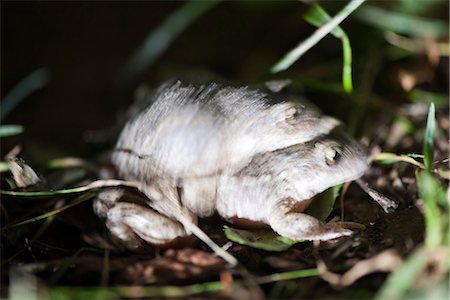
387 204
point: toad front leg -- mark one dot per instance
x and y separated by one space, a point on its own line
287 219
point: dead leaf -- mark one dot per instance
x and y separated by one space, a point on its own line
175 266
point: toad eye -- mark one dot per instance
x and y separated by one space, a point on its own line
332 155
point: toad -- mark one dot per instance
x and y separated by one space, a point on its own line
240 152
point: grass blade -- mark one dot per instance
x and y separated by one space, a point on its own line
420 96
436 222
160 39
91 186
10 130
317 16
50 213
67 292
293 55
402 23
347 81
428 142
34 81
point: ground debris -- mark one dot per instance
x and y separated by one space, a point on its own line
386 261
174 266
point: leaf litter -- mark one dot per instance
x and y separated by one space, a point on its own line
51 237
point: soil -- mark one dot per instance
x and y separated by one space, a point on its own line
79 113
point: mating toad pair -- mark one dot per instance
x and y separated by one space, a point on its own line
244 153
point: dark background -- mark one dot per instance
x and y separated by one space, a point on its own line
85 45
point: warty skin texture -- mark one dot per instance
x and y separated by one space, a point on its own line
236 151
275 187
198 131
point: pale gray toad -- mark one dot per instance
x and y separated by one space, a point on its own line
198 130
236 151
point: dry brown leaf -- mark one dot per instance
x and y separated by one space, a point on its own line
175 266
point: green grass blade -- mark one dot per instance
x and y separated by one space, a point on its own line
401 23
66 292
416 7
317 16
160 39
91 186
50 213
293 55
428 142
4 166
34 81
420 96
10 130
347 81
287 276
436 222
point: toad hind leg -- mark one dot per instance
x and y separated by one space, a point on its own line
287 221
135 226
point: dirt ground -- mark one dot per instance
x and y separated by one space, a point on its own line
77 116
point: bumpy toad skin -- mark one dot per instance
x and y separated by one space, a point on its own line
274 188
198 131
134 225
237 151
